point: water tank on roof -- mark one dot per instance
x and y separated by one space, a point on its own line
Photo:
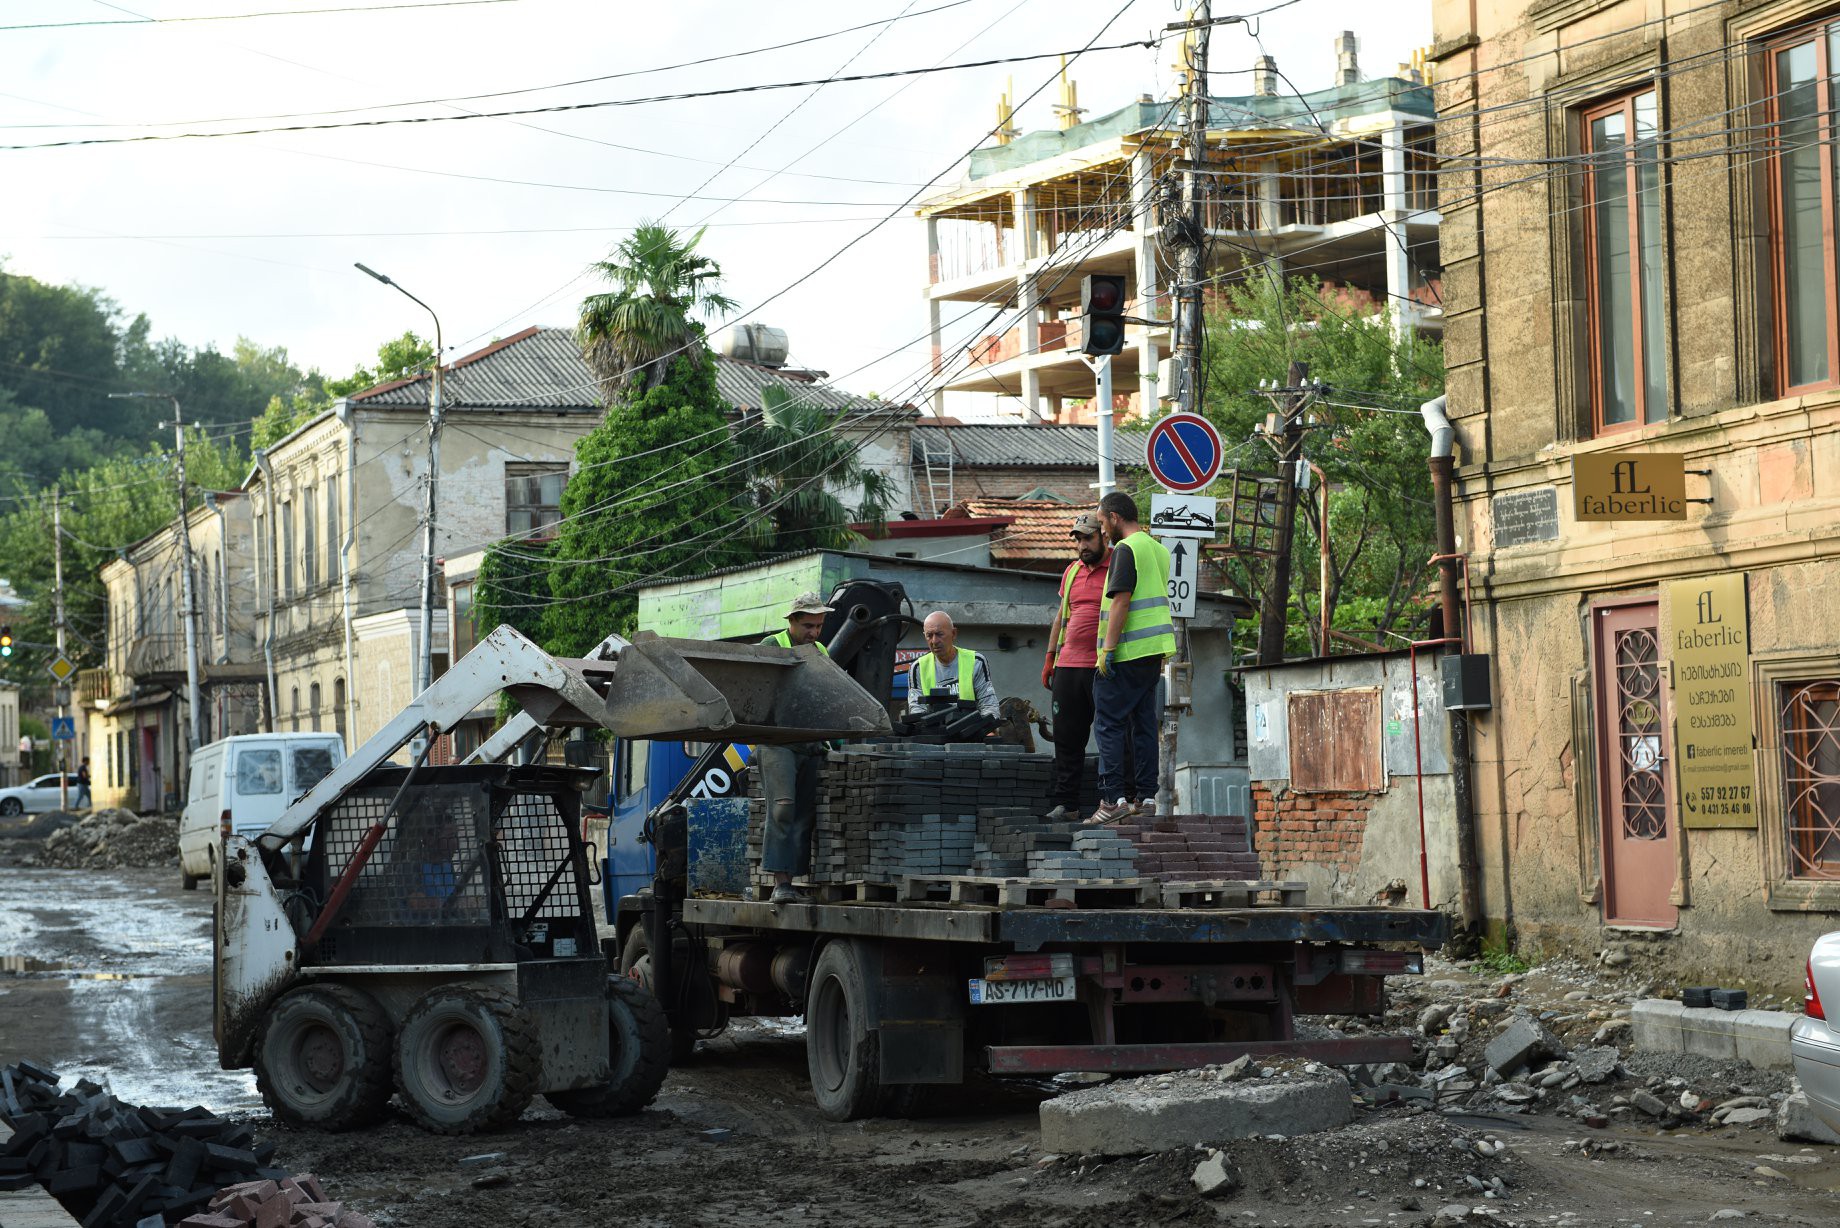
756 343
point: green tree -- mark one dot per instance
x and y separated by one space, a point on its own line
627 334
1370 445
653 496
793 460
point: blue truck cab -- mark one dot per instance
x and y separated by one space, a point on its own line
644 773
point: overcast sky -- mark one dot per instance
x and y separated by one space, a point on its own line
256 235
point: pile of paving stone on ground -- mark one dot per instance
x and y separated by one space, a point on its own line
118 1165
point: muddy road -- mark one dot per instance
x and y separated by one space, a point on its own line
107 974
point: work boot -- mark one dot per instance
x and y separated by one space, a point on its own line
786 893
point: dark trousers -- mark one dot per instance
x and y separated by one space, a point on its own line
789 785
1124 713
1073 721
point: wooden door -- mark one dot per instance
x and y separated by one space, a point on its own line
1636 793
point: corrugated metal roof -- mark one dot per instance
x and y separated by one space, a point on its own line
542 368
1007 446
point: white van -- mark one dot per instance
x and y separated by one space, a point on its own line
241 785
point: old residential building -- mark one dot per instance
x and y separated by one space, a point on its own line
137 720
1639 208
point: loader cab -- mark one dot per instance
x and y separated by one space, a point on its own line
644 773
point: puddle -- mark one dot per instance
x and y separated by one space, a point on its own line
28 965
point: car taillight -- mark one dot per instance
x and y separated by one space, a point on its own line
1811 1004
223 823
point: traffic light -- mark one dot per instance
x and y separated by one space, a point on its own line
1101 313
6 641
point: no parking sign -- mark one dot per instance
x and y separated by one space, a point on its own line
1184 452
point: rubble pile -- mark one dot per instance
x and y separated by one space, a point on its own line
1559 1041
293 1202
113 839
117 1165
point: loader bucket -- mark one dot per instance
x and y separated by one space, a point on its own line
772 695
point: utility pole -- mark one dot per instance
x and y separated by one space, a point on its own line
1178 670
1275 601
57 605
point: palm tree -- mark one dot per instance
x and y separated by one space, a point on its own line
630 333
793 460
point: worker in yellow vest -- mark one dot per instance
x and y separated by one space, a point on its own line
789 774
1135 634
948 667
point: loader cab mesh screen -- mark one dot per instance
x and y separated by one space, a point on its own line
477 864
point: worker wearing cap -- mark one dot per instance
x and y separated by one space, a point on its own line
1073 653
950 668
789 774
1135 634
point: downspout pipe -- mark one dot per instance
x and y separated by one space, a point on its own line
268 631
349 417
1443 474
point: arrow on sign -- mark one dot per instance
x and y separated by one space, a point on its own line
1178 552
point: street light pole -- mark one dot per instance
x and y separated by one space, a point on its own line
196 733
425 665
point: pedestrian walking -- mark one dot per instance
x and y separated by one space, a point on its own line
83 784
1135 634
1073 655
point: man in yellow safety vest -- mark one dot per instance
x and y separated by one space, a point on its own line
789 774
949 668
1135 634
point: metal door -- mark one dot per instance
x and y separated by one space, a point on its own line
1637 803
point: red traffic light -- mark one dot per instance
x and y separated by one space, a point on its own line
1102 301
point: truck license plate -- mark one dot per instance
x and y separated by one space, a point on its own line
1046 989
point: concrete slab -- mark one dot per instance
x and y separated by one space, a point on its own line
1795 1121
1657 1025
1760 1038
1763 1038
1705 1032
1164 1113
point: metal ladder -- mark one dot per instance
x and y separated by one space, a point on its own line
938 462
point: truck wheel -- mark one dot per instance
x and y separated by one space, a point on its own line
843 1054
640 1057
467 1059
636 963
323 1059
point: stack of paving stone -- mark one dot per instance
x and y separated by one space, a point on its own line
1192 848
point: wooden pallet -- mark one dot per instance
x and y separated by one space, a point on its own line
1233 893
856 891
1032 892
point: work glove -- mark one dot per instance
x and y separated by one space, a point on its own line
1105 662
1047 671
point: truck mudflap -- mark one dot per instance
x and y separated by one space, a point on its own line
1143 1059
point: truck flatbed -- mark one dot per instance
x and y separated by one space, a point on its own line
1028 929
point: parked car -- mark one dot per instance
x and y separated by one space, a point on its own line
35 797
241 785
1814 1042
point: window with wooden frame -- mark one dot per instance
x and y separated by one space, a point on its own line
1801 195
533 497
1335 741
1623 262
1809 712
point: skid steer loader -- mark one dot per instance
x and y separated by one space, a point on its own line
429 930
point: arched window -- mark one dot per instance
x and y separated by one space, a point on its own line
294 708
313 707
338 706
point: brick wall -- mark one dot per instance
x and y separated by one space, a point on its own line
1294 830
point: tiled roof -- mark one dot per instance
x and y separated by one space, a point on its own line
1018 445
1037 537
542 368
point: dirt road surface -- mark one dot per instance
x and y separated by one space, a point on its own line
108 975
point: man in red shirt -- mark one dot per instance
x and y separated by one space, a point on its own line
1073 656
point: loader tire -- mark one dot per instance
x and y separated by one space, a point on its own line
843 1054
640 1056
467 1059
636 962
323 1058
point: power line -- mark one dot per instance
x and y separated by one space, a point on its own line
165 21
728 92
